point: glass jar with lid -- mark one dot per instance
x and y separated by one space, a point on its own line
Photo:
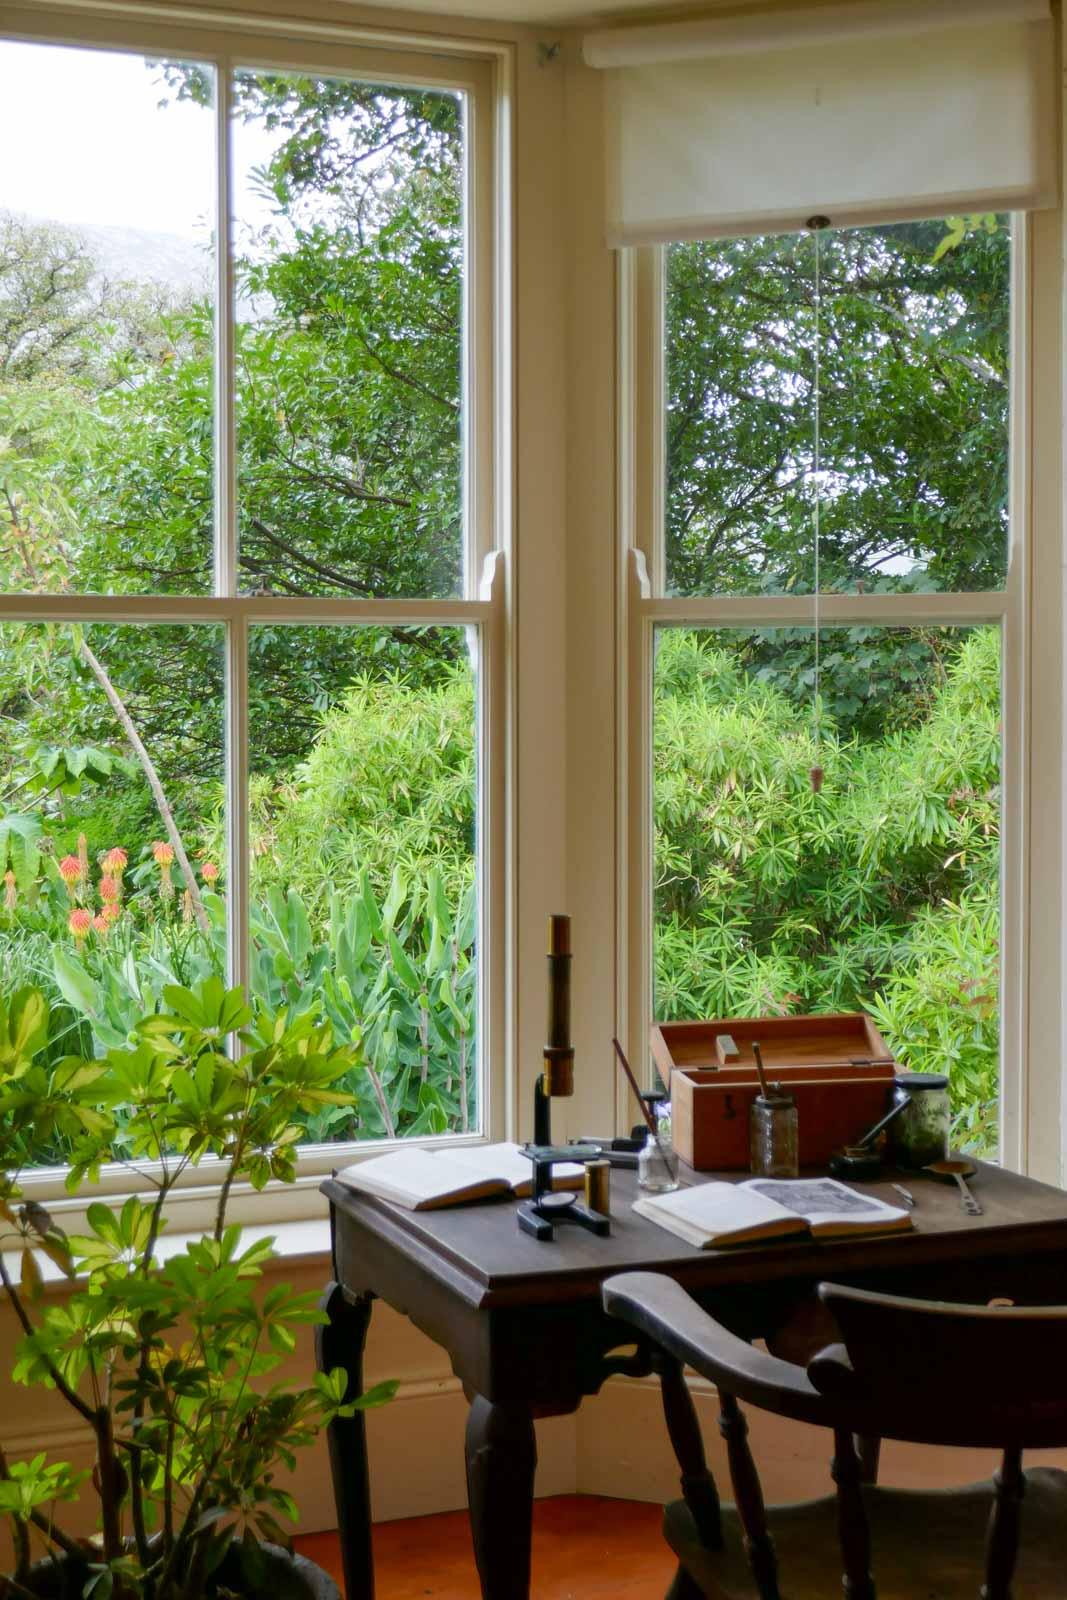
919 1134
773 1142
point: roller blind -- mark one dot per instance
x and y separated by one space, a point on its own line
862 112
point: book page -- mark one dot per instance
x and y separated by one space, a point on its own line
717 1213
829 1206
506 1160
420 1180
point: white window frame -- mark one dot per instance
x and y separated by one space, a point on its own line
482 71
1028 610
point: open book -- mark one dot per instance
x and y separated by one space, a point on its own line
423 1180
712 1214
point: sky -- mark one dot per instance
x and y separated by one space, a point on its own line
84 141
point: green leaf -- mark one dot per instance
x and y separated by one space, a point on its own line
74 983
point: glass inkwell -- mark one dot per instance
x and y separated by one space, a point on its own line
657 1163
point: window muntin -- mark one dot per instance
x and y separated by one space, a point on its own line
266 625
914 397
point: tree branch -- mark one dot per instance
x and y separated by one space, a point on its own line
149 770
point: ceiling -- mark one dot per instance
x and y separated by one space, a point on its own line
568 13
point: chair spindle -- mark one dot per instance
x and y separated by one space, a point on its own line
869 1450
853 1528
698 1485
748 1497
1002 1537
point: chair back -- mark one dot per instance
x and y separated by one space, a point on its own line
933 1373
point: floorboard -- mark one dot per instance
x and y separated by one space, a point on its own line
583 1545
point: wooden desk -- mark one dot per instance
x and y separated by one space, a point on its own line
522 1321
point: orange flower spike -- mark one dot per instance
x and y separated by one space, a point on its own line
83 857
112 912
79 922
11 894
209 872
109 890
164 854
101 924
114 862
70 870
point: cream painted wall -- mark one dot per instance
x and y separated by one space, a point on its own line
615 1445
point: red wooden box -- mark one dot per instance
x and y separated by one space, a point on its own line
838 1067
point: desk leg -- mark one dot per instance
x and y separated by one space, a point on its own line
501 1458
340 1344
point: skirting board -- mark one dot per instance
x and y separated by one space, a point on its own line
416 1455
615 1445
623 1450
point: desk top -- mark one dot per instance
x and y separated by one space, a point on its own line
478 1253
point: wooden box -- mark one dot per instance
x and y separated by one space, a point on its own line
838 1067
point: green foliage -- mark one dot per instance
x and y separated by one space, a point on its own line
880 892
388 782
400 977
167 1361
914 387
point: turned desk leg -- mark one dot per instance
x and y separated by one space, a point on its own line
340 1344
501 1457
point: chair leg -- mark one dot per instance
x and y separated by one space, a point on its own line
869 1449
853 1530
698 1485
1002 1538
748 1497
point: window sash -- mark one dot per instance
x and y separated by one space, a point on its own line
398 59
645 605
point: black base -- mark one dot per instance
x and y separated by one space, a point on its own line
541 1223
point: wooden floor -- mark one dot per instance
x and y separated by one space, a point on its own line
583 1546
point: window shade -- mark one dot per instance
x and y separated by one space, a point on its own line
861 113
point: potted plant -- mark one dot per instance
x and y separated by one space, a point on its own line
165 1355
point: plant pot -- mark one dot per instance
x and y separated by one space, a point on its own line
286 1577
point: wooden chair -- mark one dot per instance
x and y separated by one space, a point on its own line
913 1370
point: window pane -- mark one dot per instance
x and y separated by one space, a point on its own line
97 907
349 240
363 860
106 343
882 891
914 387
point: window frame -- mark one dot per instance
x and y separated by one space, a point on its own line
482 71
1030 1023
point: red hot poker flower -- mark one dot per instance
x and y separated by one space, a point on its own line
70 870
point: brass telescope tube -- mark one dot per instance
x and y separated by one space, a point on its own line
559 1052
557 1074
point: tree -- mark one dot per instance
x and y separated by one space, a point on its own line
914 385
